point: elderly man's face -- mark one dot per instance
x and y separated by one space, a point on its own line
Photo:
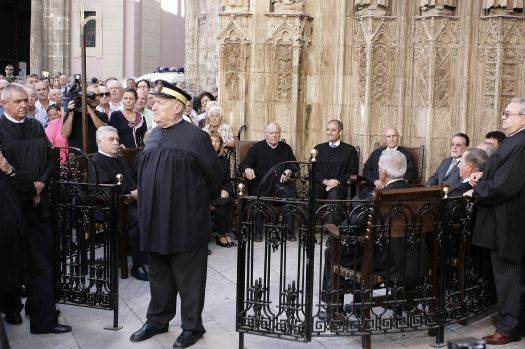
31 81
151 101
115 91
273 134
457 146
465 169
109 143
512 119
392 138
42 91
141 101
17 104
167 111
333 133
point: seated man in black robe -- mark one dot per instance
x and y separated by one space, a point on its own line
392 167
337 161
108 164
261 158
471 161
448 172
371 168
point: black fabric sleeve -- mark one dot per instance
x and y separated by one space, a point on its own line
369 172
411 172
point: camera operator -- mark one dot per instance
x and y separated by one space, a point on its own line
72 124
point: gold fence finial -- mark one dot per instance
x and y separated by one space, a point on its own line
120 179
313 154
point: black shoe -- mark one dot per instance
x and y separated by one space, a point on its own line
57 329
140 273
187 339
220 243
232 244
146 332
291 237
13 318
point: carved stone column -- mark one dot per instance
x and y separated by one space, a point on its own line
371 7
501 62
36 45
435 80
375 40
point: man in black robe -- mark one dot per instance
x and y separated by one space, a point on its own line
178 171
371 168
261 158
337 161
448 172
26 147
108 164
499 225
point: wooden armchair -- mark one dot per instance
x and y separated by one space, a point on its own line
396 220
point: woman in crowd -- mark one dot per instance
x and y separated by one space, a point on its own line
130 125
56 84
143 85
223 203
104 100
55 96
215 124
204 98
131 83
54 131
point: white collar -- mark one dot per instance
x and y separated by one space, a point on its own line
272 146
334 144
394 180
521 129
397 146
108 155
14 120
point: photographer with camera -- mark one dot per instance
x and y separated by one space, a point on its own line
72 123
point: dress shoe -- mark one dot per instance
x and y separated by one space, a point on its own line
220 243
500 339
13 318
232 244
187 339
147 331
57 329
140 272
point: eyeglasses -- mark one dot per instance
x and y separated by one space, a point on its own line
506 114
104 94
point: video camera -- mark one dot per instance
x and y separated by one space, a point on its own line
73 92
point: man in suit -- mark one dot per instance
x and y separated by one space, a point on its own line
500 193
471 161
108 164
371 168
337 161
448 171
392 166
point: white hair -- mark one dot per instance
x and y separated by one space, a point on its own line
215 110
520 101
103 130
6 92
271 123
53 90
112 81
394 163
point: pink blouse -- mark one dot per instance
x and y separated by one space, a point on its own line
53 132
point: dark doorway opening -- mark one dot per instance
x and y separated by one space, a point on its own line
15 26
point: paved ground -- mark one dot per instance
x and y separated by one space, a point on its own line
88 332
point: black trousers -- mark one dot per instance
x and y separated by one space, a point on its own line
41 293
179 273
338 193
507 276
132 220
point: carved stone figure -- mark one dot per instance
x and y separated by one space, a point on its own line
287 6
371 7
437 7
502 6
235 5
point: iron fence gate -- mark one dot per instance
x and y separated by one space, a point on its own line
85 222
356 267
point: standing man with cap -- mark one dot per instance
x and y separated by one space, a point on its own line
178 171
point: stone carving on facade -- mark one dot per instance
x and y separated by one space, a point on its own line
371 7
502 6
288 6
437 7
235 5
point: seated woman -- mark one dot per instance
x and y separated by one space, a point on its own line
223 203
130 125
215 124
54 132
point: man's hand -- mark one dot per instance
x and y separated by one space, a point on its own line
5 167
89 110
468 193
36 200
225 194
378 184
332 183
39 186
286 176
474 178
71 106
135 194
250 173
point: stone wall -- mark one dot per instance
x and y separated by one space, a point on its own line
428 67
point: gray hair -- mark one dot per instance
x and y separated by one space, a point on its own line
6 92
271 123
119 84
4 82
214 110
476 157
521 102
394 163
103 130
53 90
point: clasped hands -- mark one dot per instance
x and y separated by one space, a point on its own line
330 183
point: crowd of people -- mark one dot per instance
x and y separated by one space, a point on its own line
184 166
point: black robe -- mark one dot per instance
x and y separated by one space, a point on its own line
500 195
336 163
27 149
108 168
261 158
178 170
